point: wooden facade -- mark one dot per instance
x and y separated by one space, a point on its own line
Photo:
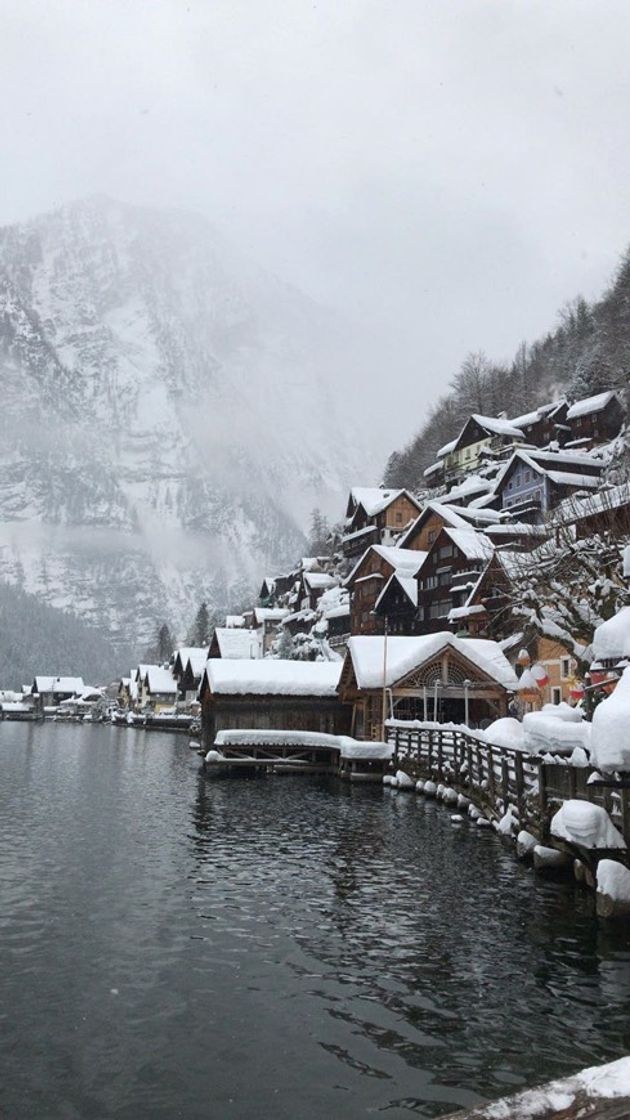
272 712
441 687
379 519
369 578
448 575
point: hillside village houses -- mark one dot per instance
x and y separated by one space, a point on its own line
435 574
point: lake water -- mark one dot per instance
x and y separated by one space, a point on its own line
173 946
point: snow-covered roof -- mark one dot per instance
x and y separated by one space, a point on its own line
373 498
317 580
615 498
538 414
236 644
498 426
433 469
472 484
407 584
612 638
590 405
456 613
580 481
404 654
446 449
475 546
184 655
273 677
159 680
59 684
196 659
234 621
405 561
269 614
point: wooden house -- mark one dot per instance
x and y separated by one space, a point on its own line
311 586
368 578
537 481
431 676
51 691
194 656
266 621
271 695
376 516
188 683
437 515
159 688
233 645
606 512
448 574
545 424
596 420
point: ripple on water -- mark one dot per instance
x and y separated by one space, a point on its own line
173 946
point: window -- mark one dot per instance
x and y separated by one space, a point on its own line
556 695
431 536
565 667
399 518
445 551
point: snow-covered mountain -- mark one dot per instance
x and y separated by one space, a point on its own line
170 415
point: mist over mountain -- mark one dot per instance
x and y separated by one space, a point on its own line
171 414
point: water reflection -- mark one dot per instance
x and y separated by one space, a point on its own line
281 947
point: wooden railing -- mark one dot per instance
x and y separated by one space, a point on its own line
497 777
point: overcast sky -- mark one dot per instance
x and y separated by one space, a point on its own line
449 171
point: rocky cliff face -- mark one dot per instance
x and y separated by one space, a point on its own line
169 415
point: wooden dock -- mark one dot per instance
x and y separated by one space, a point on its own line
293 752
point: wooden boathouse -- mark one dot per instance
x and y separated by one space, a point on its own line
271 695
429 676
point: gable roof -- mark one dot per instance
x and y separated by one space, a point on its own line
237 644
158 679
492 426
407 584
543 411
406 561
183 655
590 405
475 546
374 499
404 655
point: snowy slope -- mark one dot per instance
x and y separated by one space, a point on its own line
170 415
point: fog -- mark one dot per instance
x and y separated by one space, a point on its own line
443 173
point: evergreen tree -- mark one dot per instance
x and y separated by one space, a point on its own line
164 643
202 625
318 541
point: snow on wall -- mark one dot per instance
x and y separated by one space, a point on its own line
610 739
587 825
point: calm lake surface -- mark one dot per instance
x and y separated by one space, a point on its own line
284 947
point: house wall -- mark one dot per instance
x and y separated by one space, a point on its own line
273 713
524 484
560 667
599 427
427 535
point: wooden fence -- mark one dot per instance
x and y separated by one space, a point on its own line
496 777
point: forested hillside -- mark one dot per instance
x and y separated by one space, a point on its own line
35 638
587 352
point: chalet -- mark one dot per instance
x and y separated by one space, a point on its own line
545 424
273 588
123 694
270 694
376 516
485 610
397 604
470 489
536 481
604 512
482 438
266 621
368 578
431 676
185 655
448 574
138 678
438 515
435 474
188 684
159 688
596 420
311 587
53 690
233 645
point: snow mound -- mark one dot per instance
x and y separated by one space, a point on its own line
564 711
610 740
612 638
581 822
506 732
546 732
613 879
404 781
